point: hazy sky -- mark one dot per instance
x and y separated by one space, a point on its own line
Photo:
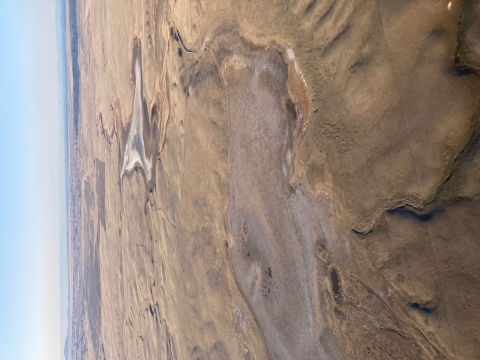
33 288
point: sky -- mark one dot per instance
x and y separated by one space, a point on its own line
33 258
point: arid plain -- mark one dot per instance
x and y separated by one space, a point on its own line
286 179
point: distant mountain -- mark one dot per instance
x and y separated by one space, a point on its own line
65 348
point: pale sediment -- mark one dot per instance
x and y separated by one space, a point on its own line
134 154
271 224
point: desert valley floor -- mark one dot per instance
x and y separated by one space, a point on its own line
274 179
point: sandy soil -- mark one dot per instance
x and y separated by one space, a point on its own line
289 179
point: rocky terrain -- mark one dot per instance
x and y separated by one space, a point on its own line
287 179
